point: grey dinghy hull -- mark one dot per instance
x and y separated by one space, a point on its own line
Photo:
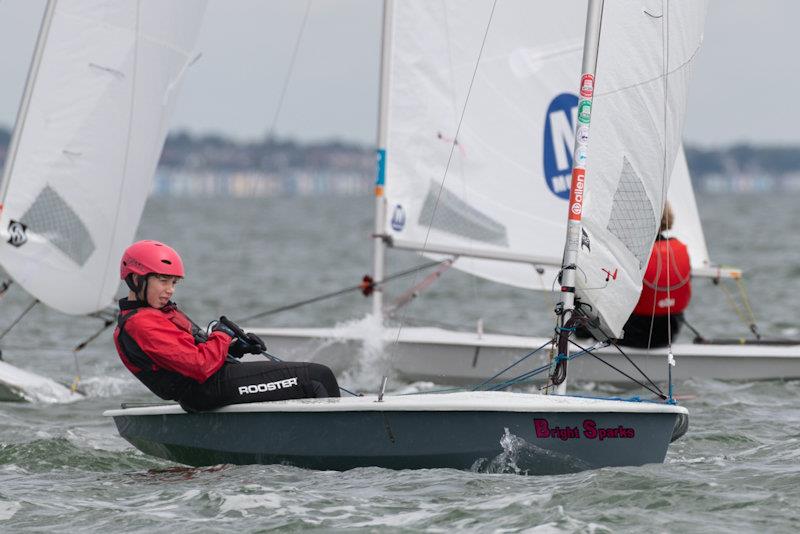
543 434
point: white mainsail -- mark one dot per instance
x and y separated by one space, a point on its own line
641 83
87 141
507 184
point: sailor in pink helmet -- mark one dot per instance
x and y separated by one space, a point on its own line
178 361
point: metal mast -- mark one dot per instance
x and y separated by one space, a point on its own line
379 246
568 266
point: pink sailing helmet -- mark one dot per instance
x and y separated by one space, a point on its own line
150 257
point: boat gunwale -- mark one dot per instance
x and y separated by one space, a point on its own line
438 402
438 336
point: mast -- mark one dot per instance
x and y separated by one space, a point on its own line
22 113
379 246
572 246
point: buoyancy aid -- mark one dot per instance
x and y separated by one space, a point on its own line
165 350
666 287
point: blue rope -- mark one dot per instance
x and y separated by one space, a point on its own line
444 390
635 398
521 378
488 380
538 370
530 374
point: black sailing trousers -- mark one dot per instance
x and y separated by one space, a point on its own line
243 382
638 330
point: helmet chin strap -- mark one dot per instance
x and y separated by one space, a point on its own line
139 288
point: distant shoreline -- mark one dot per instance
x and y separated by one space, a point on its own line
209 165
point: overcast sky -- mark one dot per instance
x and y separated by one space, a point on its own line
744 88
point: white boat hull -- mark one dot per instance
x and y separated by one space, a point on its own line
18 385
460 358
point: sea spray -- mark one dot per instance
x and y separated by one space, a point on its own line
506 461
372 362
521 457
110 386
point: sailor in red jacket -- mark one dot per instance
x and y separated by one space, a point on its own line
178 361
666 292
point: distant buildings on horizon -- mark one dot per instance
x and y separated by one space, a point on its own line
256 184
205 166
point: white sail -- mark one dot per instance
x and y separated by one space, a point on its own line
90 132
641 83
507 185
687 225
495 198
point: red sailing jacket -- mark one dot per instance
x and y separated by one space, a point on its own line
657 279
165 350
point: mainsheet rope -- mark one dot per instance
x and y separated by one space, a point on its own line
749 319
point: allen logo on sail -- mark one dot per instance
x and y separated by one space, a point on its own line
576 196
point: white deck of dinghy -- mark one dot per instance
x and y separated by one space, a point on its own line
468 401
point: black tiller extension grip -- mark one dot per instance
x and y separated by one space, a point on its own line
233 326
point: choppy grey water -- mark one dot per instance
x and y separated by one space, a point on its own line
64 466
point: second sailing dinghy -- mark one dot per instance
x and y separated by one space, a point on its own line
498 216
92 122
622 187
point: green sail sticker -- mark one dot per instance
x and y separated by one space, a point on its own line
584 111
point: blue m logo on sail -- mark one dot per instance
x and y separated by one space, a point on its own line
559 138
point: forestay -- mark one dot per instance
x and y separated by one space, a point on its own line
507 185
90 131
641 83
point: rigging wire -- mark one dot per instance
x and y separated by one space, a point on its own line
273 125
19 318
276 359
749 318
746 303
128 135
699 338
589 351
517 362
636 367
107 322
76 381
365 285
666 213
449 160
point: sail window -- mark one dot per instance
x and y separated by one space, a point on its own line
51 217
633 219
456 217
